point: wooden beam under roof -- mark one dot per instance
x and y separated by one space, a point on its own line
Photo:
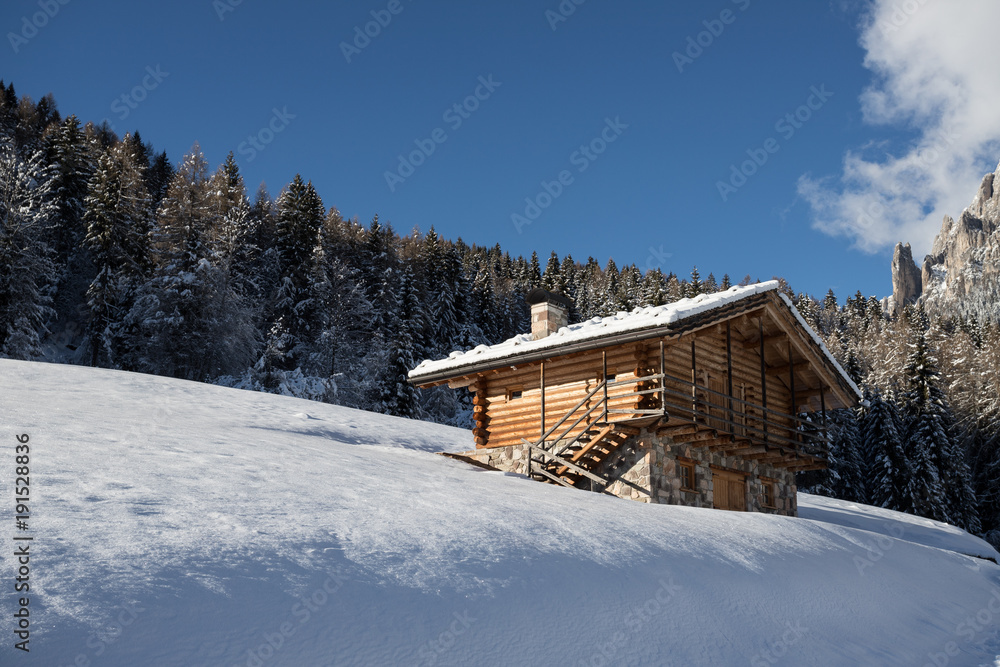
809 350
755 344
782 370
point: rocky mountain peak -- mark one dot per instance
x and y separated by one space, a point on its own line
906 280
961 275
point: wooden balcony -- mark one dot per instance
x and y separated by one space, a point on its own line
589 433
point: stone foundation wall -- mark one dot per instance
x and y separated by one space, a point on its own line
646 469
509 459
667 483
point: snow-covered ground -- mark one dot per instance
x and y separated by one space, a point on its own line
182 524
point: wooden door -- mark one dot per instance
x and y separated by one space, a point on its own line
737 495
729 491
720 492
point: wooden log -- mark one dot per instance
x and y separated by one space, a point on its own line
557 367
755 344
678 431
811 466
746 451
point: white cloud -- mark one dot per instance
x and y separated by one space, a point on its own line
934 72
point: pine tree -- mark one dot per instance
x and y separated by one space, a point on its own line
158 178
629 288
553 280
535 271
294 326
235 229
848 474
927 437
883 449
830 301
117 216
675 290
695 286
26 264
192 325
654 288
609 297
67 152
394 343
300 215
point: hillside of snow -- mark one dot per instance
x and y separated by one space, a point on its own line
181 524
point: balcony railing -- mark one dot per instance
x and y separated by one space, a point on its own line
684 401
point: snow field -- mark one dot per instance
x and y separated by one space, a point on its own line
183 524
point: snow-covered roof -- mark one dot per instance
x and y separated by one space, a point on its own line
650 317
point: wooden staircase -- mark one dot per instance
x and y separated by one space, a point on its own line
593 457
583 464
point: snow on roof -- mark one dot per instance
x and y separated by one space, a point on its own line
593 329
650 317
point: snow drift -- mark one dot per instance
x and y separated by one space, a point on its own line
182 524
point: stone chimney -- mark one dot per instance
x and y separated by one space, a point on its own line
549 312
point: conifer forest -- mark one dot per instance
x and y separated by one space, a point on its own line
117 256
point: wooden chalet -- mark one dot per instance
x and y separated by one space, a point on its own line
715 401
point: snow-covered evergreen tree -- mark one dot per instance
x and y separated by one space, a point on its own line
191 323
295 316
848 474
26 258
888 470
927 436
117 216
553 280
695 285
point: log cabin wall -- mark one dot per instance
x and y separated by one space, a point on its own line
509 401
567 381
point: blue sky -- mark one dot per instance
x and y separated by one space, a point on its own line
276 75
